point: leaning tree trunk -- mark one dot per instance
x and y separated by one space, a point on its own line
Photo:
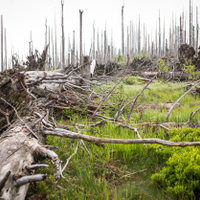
21 143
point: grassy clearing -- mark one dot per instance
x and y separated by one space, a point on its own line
111 172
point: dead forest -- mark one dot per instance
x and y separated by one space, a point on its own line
32 89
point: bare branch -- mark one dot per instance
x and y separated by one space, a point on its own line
28 179
166 119
70 134
133 102
192 115
21 119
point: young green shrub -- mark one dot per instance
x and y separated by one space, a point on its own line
181 174
162 66
131 80
139 57
189 68
120 59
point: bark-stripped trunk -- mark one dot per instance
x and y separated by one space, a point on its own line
81 37
63 37
2 68
5 46
122 16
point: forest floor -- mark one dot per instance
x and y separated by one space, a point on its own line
118 171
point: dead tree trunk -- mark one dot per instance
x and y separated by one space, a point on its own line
21 144
63 37
94 51
139 37
52 46
56 50
2 68
122 16
81 37
190 23
5 46
159 37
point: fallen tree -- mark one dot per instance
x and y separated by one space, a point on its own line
25 101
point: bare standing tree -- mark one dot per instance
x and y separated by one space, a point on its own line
56 55
122 16
197 30
69 49
98 51
94 41
181 32
81 37
5 45
190 23
139 37
30 44
52 44
127 53
49 49
63 36
73 50
159 36
163 53
2 68
105 47
45 33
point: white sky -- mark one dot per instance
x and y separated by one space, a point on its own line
21 16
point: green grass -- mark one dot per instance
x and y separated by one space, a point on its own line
103 173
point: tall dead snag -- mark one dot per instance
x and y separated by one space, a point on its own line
52 46
190 23
139 36
94 42
73 50
159 37
81 37
127 50
5 46
122 22
163 50
30 44
45 33
2 68
105 47
156 41
56 50
181 32
197 30
63 36
98 49
69 50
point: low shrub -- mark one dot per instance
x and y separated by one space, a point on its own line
181 174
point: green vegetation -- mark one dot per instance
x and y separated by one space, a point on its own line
189 68
143 55
181 174
162 66
120 60
134 171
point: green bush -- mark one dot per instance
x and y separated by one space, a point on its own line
189 68
131 80
138 57
162 66
120 59
181 174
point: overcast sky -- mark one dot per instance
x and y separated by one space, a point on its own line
21 16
